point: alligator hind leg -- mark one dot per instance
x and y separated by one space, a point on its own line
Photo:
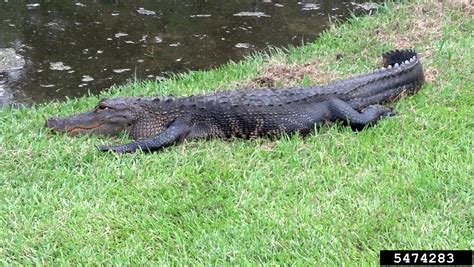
171 135
358 120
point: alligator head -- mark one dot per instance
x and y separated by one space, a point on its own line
109 117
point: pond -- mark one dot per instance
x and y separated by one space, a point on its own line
50 50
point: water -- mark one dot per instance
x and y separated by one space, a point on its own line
69 48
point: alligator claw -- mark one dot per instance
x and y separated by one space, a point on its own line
382 110
391 112
388 112
105 148
116 149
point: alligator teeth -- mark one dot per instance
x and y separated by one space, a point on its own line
382 68
407 62
396 65
389 67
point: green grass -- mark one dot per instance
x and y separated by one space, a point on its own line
334 197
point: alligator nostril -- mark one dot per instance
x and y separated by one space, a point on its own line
51 122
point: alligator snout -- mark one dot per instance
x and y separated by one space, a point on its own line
54 124
51 122
82 124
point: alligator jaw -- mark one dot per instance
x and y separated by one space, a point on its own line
66 125
80 129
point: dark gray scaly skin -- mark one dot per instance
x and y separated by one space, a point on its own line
158 122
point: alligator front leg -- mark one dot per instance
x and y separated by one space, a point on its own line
358 120
174 133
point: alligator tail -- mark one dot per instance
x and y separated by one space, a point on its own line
398 57
402 74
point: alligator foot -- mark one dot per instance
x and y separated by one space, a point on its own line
176 131
359 120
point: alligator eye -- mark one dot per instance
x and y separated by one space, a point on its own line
101 107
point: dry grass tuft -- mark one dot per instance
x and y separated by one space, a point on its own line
431 73
278 74
466 5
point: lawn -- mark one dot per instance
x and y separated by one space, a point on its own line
334 197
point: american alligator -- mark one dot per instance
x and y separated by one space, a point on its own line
158 122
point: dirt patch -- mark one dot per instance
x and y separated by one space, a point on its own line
286 75
431 74
279 75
